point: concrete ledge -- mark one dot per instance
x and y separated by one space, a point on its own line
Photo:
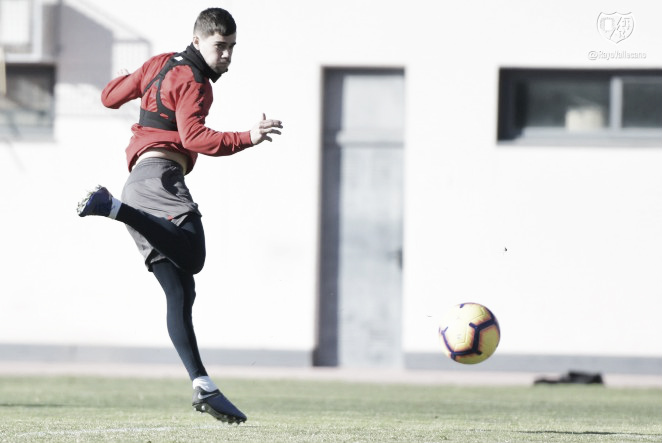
149 355
353 375
303 359
542 363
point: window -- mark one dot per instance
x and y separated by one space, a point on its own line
27 106
580 106
27 67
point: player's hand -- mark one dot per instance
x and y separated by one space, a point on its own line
122 72
264 128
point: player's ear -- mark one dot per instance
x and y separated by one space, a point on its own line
196 42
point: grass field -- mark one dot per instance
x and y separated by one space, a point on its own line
88 409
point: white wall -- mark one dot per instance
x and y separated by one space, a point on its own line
581 225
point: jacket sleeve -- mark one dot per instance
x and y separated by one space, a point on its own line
125 88
121 90
191 113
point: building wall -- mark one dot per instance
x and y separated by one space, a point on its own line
561 242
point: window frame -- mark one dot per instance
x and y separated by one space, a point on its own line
512 131
23 131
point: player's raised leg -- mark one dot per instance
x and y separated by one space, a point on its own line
99 202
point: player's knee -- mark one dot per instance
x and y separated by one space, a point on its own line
194 265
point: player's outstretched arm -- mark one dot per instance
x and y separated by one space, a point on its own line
121 89
264 128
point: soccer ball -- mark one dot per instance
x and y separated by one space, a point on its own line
469 333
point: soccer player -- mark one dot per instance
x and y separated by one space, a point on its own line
156 205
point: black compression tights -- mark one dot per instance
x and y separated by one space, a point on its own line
184 246
179 288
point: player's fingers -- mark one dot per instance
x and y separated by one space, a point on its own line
273 123
270 124
269 131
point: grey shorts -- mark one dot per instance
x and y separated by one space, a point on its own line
156 186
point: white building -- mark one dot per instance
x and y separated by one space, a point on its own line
433 153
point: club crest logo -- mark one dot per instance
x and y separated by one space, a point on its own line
615 26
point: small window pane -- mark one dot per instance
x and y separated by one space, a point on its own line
27 108
573 104
642 102
14 23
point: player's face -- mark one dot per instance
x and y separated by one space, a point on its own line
216 50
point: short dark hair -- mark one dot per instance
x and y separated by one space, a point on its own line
214 20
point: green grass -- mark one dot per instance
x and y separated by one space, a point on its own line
86 409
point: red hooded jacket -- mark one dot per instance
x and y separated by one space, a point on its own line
180 91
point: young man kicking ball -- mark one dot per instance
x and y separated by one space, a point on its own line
156 205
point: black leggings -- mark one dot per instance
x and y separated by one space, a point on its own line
184 247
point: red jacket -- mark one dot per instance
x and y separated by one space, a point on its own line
189 100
